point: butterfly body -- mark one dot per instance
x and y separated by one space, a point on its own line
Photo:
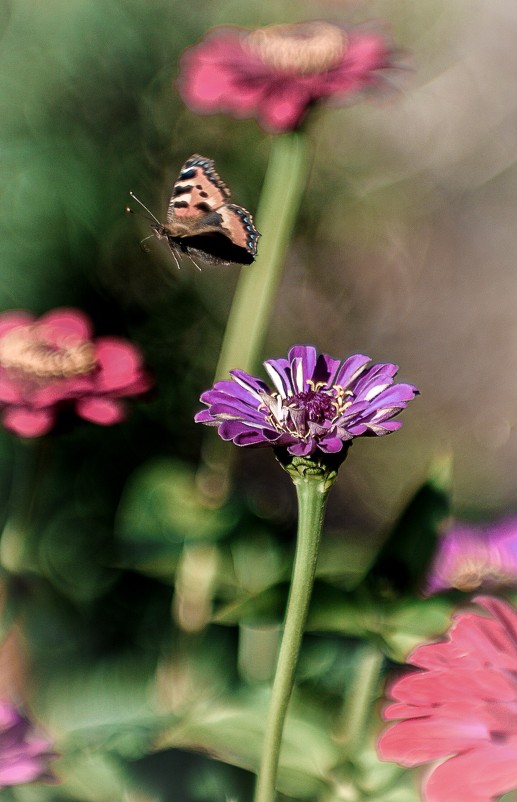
201 222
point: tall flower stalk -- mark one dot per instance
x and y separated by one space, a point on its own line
280 200
312 485
256 290
29 462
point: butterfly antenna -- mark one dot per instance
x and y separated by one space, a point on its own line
194 263
130 211
175 259
144 247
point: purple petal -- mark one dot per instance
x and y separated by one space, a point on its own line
325 371
230 429
279 371
386 428
251 438
396 394
331 445
303 361
351 369
302 449
240 395
234 408
205 417
252 384
357 429
376 379
308 355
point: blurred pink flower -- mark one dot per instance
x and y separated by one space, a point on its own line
277 73
461 708
24 755
54 361
472 557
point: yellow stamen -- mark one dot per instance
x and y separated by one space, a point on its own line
303 48
26 350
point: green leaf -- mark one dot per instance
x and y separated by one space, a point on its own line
232 730
162 508
268 606
404 559
395 627
106 705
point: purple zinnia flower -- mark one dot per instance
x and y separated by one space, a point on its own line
319 403
24 755
473 557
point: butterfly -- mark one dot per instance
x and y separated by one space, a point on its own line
201 222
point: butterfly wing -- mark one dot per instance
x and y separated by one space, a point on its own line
201 222
197 191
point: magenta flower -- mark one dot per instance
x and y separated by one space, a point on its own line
471 557
24 755
277 73
461 708
53 361
319 403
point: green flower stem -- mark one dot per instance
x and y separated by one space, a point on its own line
254 297
312 491
258 284
28 462
363 690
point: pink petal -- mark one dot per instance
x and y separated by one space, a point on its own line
420 740
120 365
28 422
22 769
66 322
443 687
283 110
366 54
9 390
215 76
481 775
61 389
105 411
13 319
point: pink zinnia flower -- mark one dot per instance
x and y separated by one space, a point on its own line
461 708
54 361
24 755
277 73
473 557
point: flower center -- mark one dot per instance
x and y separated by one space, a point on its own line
307 412
31 351
317 407
303 48
474 575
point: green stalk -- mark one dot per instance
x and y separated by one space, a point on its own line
363 690
312 492
253 301
28 461
256 290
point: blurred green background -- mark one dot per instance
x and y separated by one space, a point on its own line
404 250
